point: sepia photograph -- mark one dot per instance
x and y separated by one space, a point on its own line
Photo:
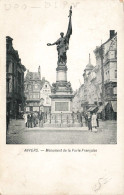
61 105
64 92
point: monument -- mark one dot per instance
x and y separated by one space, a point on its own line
62 93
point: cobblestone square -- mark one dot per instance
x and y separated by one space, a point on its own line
107 134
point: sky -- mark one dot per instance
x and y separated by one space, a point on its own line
33 24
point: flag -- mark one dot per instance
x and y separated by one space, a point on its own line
69 31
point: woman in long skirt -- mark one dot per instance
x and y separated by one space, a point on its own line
94 122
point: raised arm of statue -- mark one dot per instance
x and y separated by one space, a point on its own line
63 42
55 43
50 44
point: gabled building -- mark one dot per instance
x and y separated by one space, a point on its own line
32 84
37 93
45 100
15 98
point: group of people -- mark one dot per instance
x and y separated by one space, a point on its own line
92 121
33 119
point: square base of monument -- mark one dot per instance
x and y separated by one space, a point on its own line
61 105
57 120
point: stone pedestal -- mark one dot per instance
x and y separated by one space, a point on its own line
61 101
62 93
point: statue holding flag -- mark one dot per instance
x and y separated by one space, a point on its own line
63 42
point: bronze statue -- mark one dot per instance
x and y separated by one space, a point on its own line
63 42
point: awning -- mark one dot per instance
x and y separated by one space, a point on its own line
101 108
114 105
91 109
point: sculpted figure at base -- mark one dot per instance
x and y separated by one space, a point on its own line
63 42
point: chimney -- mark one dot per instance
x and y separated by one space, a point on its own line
89 59
112 33
19 61
39 72
9 43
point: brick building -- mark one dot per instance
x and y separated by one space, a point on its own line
14 82
32 84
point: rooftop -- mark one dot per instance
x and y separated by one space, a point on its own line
89 66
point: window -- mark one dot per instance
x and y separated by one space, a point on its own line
47 100
115 90
35 96
19 78
27 109
15 84
29 86
46 86
115 73
36 86
10 67
10 85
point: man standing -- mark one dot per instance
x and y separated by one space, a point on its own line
28 120
86 119
41 120
89 118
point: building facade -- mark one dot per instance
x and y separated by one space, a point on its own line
14 82
37 93
106 63
45 100
78 99
91 88
100 81
32 86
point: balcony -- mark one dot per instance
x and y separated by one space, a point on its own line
33 99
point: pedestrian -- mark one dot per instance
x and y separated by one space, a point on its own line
94 122
41 120
72 116
31 119
89 118
86 119
34 120
81 121
25 119
28 120
97 119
